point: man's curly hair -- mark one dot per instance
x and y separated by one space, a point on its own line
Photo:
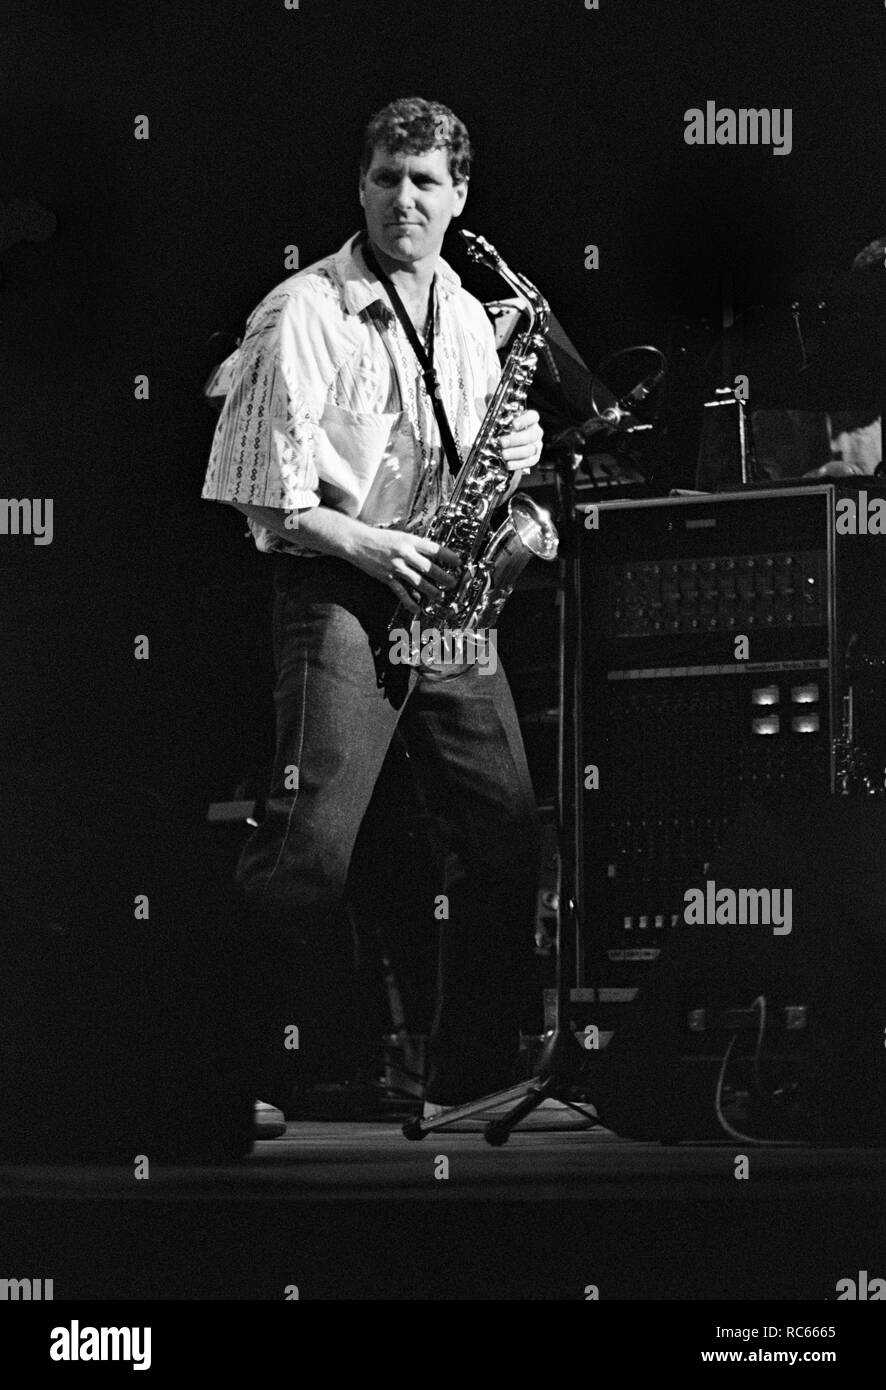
416 126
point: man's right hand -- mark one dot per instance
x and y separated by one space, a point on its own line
401 560
407 563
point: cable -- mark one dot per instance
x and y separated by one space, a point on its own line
761 1001
718 1097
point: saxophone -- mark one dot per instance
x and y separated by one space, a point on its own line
491 564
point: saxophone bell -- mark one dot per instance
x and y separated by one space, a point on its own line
528 531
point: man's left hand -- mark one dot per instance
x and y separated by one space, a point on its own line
521 447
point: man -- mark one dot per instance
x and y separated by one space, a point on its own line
329 443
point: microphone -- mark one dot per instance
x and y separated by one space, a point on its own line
644 389
613 414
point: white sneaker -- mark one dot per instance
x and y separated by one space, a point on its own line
267 1121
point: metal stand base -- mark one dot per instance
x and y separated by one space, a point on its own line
559 1075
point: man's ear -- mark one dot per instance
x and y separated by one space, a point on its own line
461 194
360 190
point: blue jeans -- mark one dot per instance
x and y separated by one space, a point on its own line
338 703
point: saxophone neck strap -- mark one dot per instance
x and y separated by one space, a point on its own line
425 356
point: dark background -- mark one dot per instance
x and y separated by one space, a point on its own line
256 114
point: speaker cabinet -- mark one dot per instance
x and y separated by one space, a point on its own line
744 1031
732 647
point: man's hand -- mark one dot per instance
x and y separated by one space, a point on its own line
397 558
405 562
521 448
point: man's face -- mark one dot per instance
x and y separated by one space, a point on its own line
409 201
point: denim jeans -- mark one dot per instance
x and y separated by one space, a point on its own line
338 703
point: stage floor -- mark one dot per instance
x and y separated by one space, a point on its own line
355 1211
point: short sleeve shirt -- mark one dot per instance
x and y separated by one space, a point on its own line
325 403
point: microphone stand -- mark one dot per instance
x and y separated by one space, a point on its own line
563 1061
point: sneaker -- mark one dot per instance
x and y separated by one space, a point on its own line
267 1121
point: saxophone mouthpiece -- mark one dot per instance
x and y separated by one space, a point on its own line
478 248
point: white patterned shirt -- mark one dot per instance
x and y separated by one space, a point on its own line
324 401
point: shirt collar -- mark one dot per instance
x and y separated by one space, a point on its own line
359 288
